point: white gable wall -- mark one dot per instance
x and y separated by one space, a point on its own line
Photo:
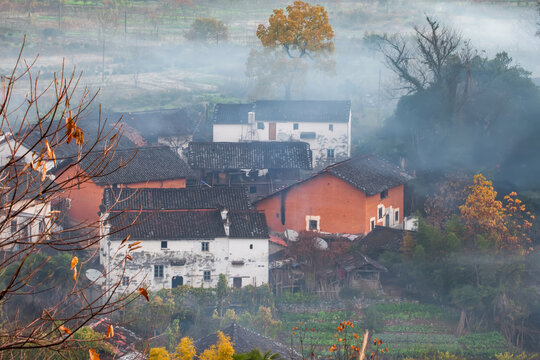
218 260
337 139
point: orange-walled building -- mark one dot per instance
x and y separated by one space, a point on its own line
352 197
147 167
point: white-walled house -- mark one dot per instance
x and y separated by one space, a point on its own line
22 196
325 125
184 246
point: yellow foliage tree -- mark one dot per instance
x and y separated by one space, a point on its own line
185 349
158 354
507 225
223 350
482 212
305 30
298 32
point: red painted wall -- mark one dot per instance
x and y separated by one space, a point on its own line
342 207
86 198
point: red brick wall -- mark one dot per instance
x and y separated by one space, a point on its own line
86 198
342 208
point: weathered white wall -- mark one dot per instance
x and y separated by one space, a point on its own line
218 260
337 139
32 215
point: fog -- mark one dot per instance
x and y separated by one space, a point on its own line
151 66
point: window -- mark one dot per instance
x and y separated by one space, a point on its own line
384 194
313 223
308 135
251 246
252 189
206 275
331 127
205 246
295 126
158 271
330 153
13 226
396 216
380 212
260 125
372 224
277 215
125 280
164 244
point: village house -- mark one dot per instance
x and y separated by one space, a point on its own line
156 167
171 127
325 125
26 208
352 197
189 236
261 166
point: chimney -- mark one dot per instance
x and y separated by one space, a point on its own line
227 226
224 214
251 117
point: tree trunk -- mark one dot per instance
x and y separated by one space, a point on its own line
461 325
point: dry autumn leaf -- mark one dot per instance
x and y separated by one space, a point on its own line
74 262
143 292
64 329
126 239
134 244
75 274
110 331
93 354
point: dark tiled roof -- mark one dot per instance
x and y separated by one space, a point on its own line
249 155
284 111
245 340
167 225
232 113
382 239
233 198
186 224
369 173
302 111
358 260
248 224
138 166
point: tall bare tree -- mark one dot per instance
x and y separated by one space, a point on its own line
41 139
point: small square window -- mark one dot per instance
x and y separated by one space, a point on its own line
158 271
331 127
205 246
260 125
251 246
330 153
277 215
380 214
313 225
164 244
396 216
252 189
384 194
295 126
206 275
125 280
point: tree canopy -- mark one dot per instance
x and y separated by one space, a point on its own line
300 31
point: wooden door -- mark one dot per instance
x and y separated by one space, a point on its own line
272 131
